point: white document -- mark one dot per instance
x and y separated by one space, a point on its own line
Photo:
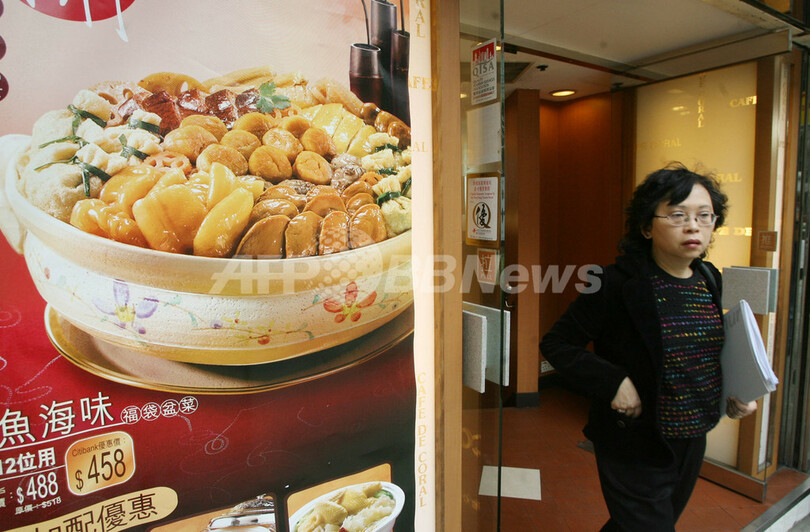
747 373
484 135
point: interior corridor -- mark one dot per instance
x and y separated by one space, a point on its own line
549 438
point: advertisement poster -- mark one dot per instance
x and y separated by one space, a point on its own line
208 318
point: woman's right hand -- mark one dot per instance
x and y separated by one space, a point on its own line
626 401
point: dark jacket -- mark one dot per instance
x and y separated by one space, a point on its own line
621 320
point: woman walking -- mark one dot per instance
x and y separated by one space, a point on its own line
654 371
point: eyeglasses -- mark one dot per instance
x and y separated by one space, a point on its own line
681 218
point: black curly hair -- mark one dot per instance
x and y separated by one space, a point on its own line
672 184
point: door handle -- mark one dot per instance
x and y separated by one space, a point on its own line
510 297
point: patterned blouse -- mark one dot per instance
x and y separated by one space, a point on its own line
692 337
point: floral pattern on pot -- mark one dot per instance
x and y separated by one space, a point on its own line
349 307
131 314
123 310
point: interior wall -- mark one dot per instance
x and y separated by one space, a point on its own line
569 190
522 216
551 185
581 198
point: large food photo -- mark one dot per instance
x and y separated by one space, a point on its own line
249 218
217 222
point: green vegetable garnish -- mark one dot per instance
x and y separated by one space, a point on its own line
387 196
406 187
269 100
46 165
384 493
81 114
129 150
87 170
140 124
387 147
86 183
70 138
96 171
387 171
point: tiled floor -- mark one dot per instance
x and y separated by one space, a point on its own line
546 437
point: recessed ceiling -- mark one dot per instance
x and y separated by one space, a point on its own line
594 46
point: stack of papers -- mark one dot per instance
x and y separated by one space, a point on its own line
747 373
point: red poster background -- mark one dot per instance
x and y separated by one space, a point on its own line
230 448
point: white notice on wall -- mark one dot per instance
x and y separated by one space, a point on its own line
484 135
483 209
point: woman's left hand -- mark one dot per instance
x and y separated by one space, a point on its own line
736 409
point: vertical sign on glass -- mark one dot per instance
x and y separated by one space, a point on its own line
484 73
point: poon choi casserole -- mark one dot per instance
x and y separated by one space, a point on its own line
251 164
354 509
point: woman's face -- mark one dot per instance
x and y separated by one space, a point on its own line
673 246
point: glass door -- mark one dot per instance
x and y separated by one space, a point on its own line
486 307
795 436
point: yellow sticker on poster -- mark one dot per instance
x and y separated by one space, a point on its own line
99 462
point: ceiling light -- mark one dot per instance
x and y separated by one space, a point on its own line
497 46
563 92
